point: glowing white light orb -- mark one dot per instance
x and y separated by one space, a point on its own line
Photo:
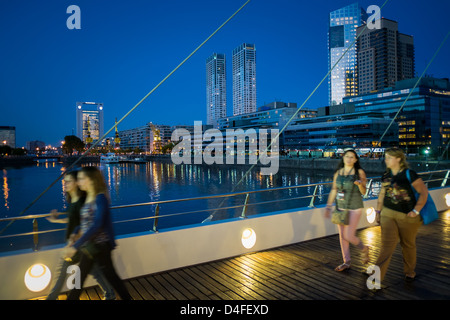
248 238
371 214
37 277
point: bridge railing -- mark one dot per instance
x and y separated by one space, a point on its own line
221 206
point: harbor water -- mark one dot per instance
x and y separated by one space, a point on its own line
153 181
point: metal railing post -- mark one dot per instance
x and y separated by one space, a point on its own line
366 195
35 235
444 182
311 204
244 209
372 183
155 221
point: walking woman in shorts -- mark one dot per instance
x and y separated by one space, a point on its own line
349 184
399 212
97 236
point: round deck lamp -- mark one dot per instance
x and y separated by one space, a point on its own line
447 199
37 277
248 238
371 214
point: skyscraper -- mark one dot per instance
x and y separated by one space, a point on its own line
89 121
244 79
216 88
385 56
343 23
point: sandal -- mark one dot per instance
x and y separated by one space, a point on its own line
342 267
366 256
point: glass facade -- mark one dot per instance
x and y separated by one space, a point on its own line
89 121
358 130
273 115
425 117
216 88
342 80
244 79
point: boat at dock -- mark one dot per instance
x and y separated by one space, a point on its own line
110 158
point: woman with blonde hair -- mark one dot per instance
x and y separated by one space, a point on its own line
349 184
399 212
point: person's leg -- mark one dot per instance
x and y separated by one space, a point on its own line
107 268
53 295
345 245
354 217
408 228
389 240
85 267
350 230
105 286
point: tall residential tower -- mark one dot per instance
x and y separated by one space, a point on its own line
244 79
343 23
216 88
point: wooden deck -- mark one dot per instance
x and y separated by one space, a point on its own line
304 271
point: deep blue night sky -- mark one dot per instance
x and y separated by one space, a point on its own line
124 48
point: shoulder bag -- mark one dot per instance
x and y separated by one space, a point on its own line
429 212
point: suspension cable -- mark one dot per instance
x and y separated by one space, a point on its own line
128 113
412 90
295 114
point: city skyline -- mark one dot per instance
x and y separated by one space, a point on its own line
123 50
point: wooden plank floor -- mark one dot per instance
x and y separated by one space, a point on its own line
304 271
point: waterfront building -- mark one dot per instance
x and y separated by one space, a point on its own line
343 23
8 136
244 79
339 130
274 115
216 88
89 121
139 137
32 146
384 55
150 137
424 120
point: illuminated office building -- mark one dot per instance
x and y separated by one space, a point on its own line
343 23
89 121
8 136
216 88
424 120
244 79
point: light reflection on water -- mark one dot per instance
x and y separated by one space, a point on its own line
154 181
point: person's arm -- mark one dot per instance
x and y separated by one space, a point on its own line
99 215
361 183
380 202
331 196
422 190
54 217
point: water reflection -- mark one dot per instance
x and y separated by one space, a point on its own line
5 189
131 183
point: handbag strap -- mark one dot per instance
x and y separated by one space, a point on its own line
408 176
